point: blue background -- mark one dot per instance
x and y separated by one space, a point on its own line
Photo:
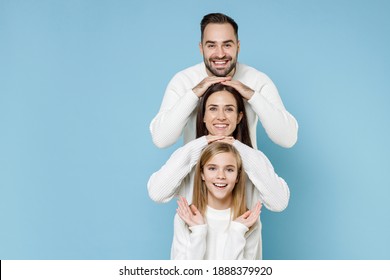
80 82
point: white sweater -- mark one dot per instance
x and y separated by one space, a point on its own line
176 176
219 239
178 109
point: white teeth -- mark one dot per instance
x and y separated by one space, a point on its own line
220 62
220 125
220 185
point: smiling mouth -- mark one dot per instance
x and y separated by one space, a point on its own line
220 186
220 126
220 63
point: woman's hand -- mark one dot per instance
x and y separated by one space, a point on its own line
250 217
215 138
227 139
189 214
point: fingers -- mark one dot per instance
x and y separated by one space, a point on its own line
189 214
213 138
246 214
201 88
194 210
183 210
255 213
250 217
245 91
228 140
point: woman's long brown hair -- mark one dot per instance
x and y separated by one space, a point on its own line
241 132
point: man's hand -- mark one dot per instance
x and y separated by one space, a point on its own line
207 82
245 91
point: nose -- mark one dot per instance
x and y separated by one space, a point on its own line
221 174
220 52
221 115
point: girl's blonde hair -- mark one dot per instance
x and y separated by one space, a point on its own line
200 190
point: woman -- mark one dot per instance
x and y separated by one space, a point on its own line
218 224
221 117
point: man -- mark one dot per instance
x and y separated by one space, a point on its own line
220 47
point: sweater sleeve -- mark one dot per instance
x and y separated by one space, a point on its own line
163 184
239 244
274 191
177 105
189 243
280 126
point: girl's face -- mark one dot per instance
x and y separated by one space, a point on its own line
220 177
221 115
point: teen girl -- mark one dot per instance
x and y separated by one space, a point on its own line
218 224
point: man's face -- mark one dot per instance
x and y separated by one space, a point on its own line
219 48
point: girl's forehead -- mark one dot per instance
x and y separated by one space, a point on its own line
225 158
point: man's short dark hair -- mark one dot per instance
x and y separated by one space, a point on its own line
217 18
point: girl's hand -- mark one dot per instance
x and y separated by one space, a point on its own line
250 217
189 214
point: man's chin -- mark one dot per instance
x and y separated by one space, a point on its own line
220 72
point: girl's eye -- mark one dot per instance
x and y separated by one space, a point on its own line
211 168
230 170
213 109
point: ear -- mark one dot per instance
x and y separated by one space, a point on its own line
238 46
239 118
201 174
201 48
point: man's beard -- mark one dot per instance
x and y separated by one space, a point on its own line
216 72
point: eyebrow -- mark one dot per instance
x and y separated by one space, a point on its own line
214 42
213 165
227 105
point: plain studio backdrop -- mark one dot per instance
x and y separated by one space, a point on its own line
81 80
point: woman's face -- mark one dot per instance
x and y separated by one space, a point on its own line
221 115
220 177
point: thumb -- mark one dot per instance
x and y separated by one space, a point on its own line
246 214
194 209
